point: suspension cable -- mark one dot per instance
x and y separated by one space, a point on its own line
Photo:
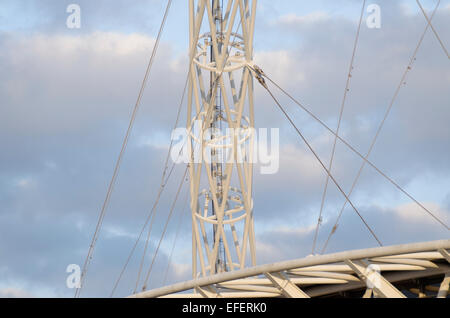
434 30
208 114
161 190
144 287
180 222
164 180
386 115
259 72
120 157
211 93
162 187
150 216
262 82
333 151
163 184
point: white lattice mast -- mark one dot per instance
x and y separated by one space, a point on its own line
220 122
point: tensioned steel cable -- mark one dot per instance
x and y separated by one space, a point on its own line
121 154
164 180
116 284
333 151
180 222
162 187
434 30
209 112
144 287
211 93
321 163
384 175
386 115
151 214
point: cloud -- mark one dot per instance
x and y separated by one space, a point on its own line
66 100
60 83
311 19
14 293
415 214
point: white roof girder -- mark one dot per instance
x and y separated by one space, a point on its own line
324 274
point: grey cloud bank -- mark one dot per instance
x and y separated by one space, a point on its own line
64 104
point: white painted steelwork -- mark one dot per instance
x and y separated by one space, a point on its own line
328 275
221 190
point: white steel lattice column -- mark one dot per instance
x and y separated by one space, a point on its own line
220 122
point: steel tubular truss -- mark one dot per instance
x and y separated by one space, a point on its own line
220 170
411 270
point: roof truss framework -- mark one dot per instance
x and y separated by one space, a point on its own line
420 269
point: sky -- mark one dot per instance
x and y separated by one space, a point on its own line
66 96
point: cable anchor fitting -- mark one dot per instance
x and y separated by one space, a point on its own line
259 74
